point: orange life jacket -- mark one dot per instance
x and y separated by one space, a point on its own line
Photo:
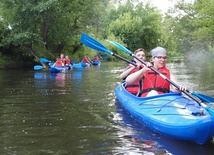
153 81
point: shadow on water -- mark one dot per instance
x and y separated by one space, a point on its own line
138 138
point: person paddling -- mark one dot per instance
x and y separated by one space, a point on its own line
62 57
58 63
154 84
96 58
67 62
86 59
134 88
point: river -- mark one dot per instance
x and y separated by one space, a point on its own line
77 113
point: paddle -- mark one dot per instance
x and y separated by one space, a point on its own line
105 57
208 108
38 67
203 97
44 60
94 44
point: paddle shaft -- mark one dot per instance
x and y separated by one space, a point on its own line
123 59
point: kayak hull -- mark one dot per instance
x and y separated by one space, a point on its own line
59 69
95 63
78 66
170 114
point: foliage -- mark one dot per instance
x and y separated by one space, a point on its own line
193 26
30 29
137 26
52 25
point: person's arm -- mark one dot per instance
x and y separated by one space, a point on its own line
137 76
126 72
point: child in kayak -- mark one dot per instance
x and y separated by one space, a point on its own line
58 63
153 83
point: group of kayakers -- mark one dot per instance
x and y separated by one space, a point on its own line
87 60
142 81
62 60
65 60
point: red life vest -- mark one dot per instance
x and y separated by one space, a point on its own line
86 59
59 63
63 60
153 81
96 58
67 61
133 88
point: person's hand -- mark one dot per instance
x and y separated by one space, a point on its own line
181 88
148 64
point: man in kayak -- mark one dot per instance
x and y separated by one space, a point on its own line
134 88
153 83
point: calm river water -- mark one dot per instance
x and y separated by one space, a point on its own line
77 113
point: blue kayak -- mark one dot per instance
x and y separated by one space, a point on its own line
84 64
59 69
78 65
170 114
96 63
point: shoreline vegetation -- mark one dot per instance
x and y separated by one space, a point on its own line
8 63
30 30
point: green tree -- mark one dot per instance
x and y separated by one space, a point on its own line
137 26
193 25
49 26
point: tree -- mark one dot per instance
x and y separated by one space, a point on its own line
50 25
137 26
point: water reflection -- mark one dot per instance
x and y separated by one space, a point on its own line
76 76
42 80
75 113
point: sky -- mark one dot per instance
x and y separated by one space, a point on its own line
163 5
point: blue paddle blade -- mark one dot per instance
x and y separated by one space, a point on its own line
50 64
38 67
105 57
122 47
94 44
44 60
203 97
